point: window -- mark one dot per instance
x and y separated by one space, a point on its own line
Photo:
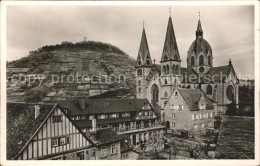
177 69
209 89
81 155
115 115
55 142
139 82
192 61
164 70
230 93
173 124
165 94
60 141
103 116
181 107
103 152
209 124
173 115
139 89
167 69
172 107
202 116
56 119
139 72
165 103
63 141
113 149
125 156
197 116
201 60
195 126
139 63
165 81
91 117
125 115
173 69
209 60
147 62
202 125
202 106
176 95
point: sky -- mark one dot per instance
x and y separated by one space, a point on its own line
228 29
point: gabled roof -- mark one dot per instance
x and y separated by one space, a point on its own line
101 106
192 98
105 136
144 53
170 48
22 125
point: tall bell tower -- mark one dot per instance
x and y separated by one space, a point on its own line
143 68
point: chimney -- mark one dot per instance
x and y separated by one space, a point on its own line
94 124
82 103
36 111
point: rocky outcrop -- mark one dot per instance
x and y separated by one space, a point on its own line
67 72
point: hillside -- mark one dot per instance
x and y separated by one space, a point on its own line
59 69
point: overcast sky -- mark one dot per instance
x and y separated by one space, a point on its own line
228 29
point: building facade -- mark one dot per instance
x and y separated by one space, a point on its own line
157 83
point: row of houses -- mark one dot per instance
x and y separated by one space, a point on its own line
96 129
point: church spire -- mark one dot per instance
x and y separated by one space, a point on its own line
170 49
144 58
199 31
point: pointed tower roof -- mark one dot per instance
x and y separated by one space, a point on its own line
144 57
170 49
199 31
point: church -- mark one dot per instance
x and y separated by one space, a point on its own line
217 86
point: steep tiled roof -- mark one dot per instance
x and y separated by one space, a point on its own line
21 125
188 75
192 98
100 106
217 73
170 48
105 136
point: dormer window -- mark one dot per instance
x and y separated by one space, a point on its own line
165 58
202 106
139 72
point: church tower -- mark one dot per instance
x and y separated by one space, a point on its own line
170 65
199 55
143 68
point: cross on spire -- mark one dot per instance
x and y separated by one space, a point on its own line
170 12
199 14
143 23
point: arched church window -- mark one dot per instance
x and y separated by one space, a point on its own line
164 70
139 63
139 89
188 87
177 69
230 93
139 72
215 93
165 94
176 95
192 61
167 69
165 81
201 60
209 89
183 86
165 58
155 93
173 69
147 62
139 82
209 61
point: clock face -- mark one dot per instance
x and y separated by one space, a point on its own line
201 69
